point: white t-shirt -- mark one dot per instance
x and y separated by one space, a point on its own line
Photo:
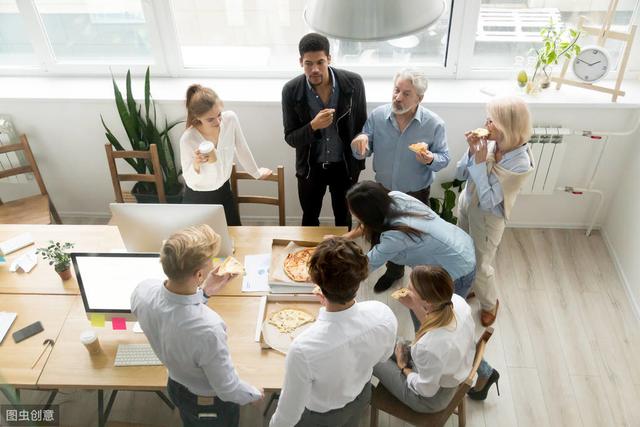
231 142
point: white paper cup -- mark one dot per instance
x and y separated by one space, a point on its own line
205 147
90 340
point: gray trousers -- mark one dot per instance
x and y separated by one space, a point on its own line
392 378
347 416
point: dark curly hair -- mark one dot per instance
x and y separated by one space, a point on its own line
338 266
313 42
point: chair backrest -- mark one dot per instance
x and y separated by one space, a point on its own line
276 201
117 178
481 345
32 167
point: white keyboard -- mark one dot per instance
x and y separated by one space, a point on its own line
136 355
15 243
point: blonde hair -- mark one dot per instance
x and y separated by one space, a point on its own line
511 116
184 252
200 100
435 286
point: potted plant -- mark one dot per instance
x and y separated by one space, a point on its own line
57 255
141 127
555 44
444 206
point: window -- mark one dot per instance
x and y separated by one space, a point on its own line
95 30
15 46
264 34
507 29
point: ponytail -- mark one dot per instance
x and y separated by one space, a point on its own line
199 101
434 285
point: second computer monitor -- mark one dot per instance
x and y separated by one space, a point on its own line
144 226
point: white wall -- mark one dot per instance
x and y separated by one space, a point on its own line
622 225
67 140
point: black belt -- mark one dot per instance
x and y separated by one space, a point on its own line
329 165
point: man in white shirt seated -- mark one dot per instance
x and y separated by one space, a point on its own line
329 366
187 336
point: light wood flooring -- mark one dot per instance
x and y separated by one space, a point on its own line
566 344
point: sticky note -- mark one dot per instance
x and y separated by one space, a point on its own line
97 320
119 324
217 260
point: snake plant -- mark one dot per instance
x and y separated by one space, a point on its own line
142 130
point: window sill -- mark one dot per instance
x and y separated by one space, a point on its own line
460 93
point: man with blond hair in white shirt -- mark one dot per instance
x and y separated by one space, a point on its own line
329 366
187 336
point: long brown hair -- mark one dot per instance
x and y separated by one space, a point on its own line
200 100
435 286
371 203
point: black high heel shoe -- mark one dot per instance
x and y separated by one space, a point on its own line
482 393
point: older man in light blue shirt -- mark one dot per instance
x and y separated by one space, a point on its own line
388 133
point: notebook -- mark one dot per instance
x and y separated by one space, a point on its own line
6 320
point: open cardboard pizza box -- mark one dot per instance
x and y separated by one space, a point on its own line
279 282
267 334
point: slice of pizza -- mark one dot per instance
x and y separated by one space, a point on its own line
480 132
231 266
402 292
288 320
419 147
296 265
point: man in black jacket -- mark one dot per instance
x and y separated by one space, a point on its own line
323 110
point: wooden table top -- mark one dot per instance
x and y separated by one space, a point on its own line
16 359
71 366
43 279
105 238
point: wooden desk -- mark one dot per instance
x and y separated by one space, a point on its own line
16 359
257 240
104 238
71 366
43 279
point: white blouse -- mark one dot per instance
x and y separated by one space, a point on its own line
230 141
443 357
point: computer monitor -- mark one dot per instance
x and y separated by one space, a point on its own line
106 280
144 226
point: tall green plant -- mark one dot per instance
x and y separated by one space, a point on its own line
142 130
555 44
444 206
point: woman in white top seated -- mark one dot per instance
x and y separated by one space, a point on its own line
444 347
207 174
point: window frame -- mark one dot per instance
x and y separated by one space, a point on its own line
168 62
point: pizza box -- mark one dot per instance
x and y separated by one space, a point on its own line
279 283
267 335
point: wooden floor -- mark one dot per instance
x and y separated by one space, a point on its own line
566 344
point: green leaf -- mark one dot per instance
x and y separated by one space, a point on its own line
435 204
127 121
449 200
114 141
446 185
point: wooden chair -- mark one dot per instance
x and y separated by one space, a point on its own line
37 209
383 400
276 201
117 178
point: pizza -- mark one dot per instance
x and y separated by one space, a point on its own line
402 292
480 132
231 266
288 320
419 147
296 265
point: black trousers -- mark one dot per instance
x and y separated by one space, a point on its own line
222 196
394 270
311 192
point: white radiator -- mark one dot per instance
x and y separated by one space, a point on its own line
548 147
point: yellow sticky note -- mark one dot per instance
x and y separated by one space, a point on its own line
97 320
217 260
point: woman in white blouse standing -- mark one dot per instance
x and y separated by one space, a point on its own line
443 350
207 174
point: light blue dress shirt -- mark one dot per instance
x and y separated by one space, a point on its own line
490 195
442 243
395 165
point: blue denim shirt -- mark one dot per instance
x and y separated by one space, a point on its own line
329 148
395 165
490 195
442 243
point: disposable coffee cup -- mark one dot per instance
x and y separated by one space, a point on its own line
90 341
206 148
